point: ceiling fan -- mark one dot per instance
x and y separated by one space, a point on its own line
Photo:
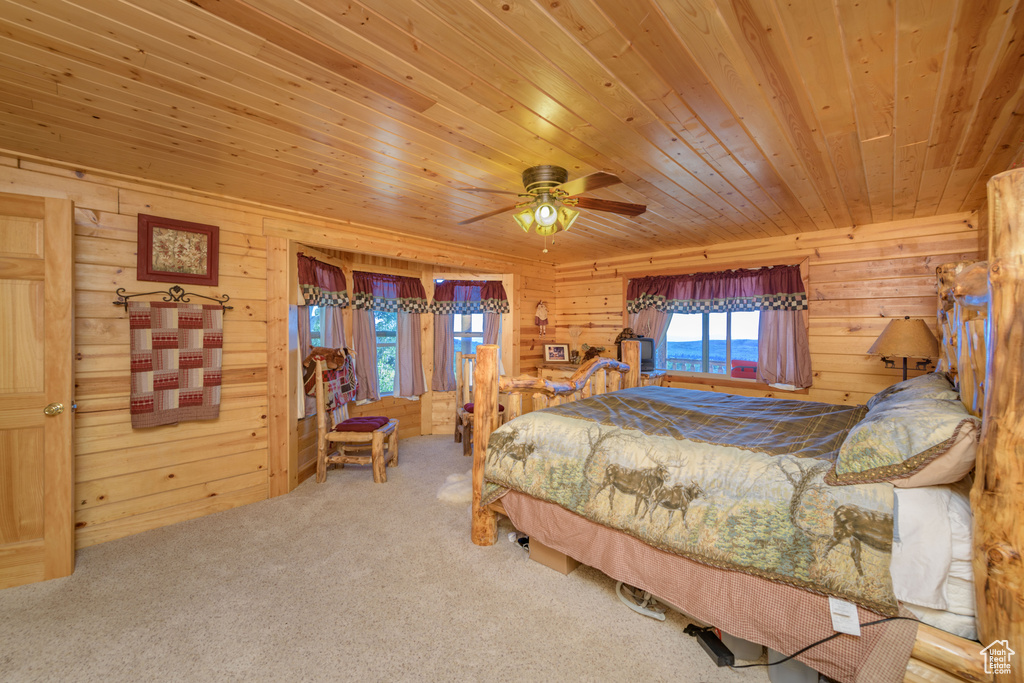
549 199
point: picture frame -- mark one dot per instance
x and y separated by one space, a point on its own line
556 353
172 250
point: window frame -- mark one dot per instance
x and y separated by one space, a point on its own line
466 336
508 362
706 340
711 379
386 345
316 325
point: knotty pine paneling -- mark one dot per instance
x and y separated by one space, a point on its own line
128 481
857 279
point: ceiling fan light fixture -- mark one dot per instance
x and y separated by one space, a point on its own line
524 218
545 212
567 216
547 230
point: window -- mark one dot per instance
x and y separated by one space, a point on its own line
709 343
316 325
386 324
468 332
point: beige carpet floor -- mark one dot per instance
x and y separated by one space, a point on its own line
343 581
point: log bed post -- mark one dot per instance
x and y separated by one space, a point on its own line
631 357
998 494
592 377
485 410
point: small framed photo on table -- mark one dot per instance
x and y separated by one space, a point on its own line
556 353
177 251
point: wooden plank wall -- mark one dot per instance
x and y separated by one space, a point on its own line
857 279
128 481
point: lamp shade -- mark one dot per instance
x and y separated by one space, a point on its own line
567 216
906 338
524 218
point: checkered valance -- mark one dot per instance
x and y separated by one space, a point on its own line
379 292
322 284
465 297
779 288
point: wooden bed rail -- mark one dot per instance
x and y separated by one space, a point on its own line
962 310
595 377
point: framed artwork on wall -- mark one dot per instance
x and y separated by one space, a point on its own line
177 251
556 353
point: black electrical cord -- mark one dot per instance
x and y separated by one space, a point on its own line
816 644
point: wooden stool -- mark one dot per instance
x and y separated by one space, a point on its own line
349 441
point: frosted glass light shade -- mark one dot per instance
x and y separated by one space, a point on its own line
545 214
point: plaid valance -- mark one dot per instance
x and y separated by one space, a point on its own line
469 296
322 284
760 289
379 292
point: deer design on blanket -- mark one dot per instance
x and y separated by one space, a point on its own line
860 526
639 483
504 444
674 498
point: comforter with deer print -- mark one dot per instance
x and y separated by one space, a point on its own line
730 481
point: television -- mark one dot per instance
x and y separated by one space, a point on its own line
646 353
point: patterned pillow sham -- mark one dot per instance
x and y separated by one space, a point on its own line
928 385
900 438
950 467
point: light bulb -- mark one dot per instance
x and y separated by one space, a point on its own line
545 214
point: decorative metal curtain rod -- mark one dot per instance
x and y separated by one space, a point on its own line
174 293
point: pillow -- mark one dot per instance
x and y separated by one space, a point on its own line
469 408
949 467
928 385
366 423
898 439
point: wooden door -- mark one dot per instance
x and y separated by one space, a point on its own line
37 539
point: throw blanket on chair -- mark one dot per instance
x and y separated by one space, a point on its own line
176 358
340 381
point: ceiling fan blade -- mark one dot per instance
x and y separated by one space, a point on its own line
610 206
480 189
482 216
594 181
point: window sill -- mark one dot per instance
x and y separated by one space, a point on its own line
728 382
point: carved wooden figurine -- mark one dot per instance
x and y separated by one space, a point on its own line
541 318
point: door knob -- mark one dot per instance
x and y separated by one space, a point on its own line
54 409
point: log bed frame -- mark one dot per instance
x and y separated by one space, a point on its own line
968 296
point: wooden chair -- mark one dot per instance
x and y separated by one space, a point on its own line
336 447
464 365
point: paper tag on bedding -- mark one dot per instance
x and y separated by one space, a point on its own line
844 616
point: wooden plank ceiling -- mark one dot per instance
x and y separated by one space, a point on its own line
729 119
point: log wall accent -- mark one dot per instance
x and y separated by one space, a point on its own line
997 498
857 279
129 481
